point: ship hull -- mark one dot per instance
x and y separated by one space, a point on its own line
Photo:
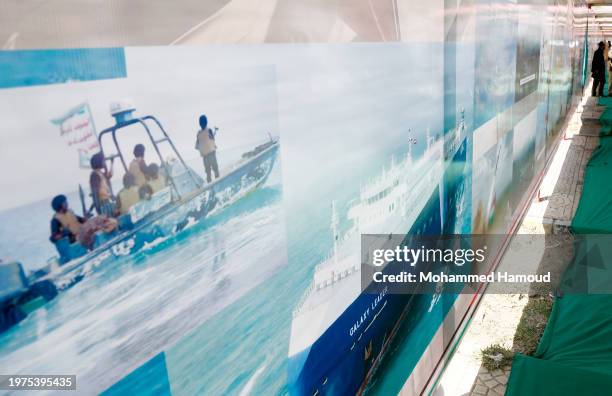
341 360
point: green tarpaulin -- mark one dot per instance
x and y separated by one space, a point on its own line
574 356
594 213
606 122
532 376
604 101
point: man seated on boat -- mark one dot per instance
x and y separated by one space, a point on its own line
205 143
156 180
128 196
99 182
138 166
64 222
145 192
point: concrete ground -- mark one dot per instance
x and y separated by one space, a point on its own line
496 319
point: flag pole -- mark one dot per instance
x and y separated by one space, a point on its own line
93 123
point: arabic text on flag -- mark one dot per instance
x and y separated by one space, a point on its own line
78 130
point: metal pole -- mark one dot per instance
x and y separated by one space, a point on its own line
93 123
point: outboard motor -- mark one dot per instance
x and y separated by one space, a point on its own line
19 297
13 281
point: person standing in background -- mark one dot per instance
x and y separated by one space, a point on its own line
138 166
205 143
598 70
608 51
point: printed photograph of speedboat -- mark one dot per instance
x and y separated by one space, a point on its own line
160 257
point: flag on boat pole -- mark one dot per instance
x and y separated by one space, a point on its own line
78 129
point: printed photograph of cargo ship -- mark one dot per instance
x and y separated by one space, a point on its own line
339 334
173 259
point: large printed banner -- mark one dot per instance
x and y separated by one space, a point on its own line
397 118
78 129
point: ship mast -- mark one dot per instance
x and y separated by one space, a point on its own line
334 228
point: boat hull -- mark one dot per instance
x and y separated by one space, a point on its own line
174 217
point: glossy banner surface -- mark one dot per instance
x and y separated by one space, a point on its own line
335 119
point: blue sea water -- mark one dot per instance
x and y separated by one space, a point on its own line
25 230
217 300
193 297
126 311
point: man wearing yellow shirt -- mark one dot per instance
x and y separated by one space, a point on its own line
128 196
138 165
206 145
154 179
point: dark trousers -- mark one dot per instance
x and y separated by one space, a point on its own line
598 82
210 164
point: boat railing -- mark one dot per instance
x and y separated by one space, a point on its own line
333 280
330 255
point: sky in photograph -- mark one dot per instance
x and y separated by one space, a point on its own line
38 163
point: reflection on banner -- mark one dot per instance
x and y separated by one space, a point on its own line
78 129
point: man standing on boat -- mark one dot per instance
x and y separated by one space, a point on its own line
138 166
99 182
205 143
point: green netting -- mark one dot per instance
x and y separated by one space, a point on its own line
574 356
